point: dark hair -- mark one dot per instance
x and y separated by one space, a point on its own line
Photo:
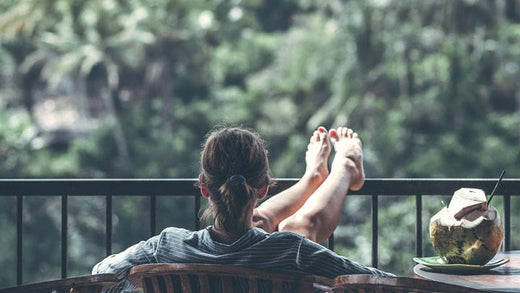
234 166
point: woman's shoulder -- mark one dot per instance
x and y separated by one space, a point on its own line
179 234
176 230
297 239
286 236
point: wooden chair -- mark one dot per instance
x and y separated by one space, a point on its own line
372 284
190 278
85 284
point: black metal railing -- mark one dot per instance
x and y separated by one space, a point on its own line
373 188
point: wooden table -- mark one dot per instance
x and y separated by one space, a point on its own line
505 278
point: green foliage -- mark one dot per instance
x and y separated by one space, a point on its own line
17 134
431 87
8 239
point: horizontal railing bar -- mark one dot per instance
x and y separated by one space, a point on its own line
424 186
182 187
89 187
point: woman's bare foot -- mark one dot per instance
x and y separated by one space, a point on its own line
317 156
278 208
349 155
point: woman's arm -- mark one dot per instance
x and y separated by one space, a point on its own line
315 259
140 253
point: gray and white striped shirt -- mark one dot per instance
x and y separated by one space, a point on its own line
255 249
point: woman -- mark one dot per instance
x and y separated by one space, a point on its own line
234 176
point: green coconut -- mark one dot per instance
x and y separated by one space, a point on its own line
468 231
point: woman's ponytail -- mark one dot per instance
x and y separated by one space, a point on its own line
237 197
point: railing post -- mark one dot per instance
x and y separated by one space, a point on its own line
153 215
196 212
507 222
375 230
108 228
418 226
330 242
64 238
19 238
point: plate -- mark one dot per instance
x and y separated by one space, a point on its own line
437 264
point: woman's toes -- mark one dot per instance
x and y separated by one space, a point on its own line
324 139
317 154
344 131
334 136
315 136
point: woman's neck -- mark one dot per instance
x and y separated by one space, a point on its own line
228 237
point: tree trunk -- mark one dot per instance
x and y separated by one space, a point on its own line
117 129
513 10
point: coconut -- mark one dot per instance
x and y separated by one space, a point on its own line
468 231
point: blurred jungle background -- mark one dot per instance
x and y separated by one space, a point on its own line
128 88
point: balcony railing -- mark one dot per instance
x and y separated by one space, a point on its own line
373 188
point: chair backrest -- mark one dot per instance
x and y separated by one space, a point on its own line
85 284
191 278
373 284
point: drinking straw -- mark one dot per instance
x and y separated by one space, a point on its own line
496 185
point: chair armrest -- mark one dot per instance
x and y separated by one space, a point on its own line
94 283
346 283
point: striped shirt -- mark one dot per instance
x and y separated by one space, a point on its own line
255 249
